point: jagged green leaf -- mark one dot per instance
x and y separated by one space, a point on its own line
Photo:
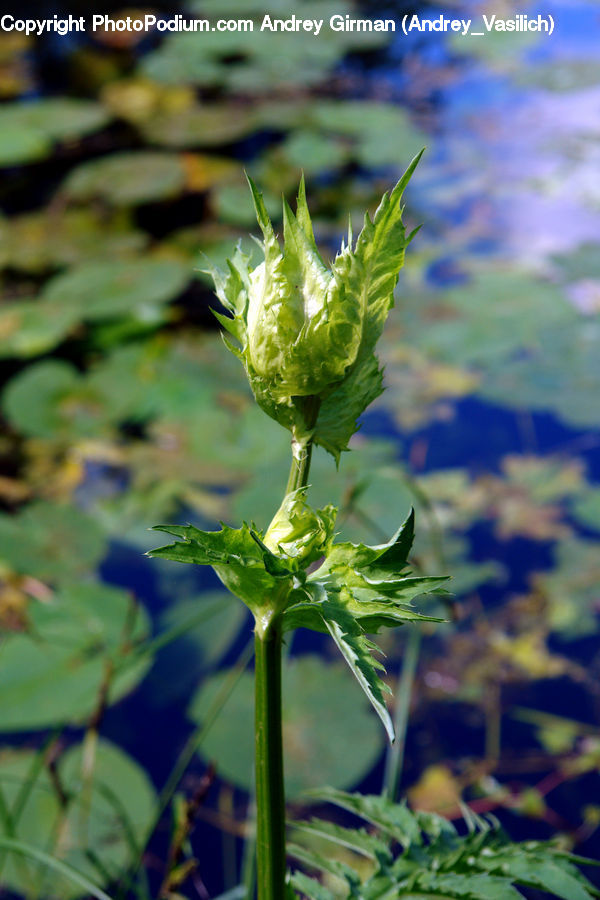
310 887
435 861
395 820
357 649
325 864
356 839
243 564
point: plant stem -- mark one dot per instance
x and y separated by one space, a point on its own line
268 738
302 453
395 758
270 796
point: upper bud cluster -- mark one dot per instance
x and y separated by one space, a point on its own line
307 330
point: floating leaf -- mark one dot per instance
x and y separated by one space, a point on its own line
56 669
328 733
271 58
37 400
571 588
29 128
135 288
22 145
50 541
206 125
380 133
39 241
96 819
587 508
30 327
130 177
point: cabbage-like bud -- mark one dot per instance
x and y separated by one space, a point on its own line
307 332
300 532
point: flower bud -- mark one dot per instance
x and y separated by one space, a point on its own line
300 532
307 332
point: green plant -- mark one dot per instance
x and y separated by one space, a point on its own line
306 335
421 855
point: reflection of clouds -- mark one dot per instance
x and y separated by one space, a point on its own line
532 153
551 157
536 225
585 295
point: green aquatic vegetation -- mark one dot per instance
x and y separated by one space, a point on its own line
422 855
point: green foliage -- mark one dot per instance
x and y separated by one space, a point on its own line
119 426
127 178
96 829
434 860
50 542
269 59
30 128
328 732
357 589
57 666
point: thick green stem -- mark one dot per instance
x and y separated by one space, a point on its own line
270 796
268 738
302 453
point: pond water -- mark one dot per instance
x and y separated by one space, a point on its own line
493 370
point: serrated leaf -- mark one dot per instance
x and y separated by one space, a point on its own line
356 649
549 875
470 887
355 839
394 819
482 865
324 864
311 888
237 558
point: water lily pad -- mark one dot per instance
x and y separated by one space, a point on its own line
50 541
22 145
30 327
313 152
330 736
127 178
56 669
206 125
33 400
484 323
381 134
133 288
587 508
270 58
571 588
558 374
107 814
29 128
60 118
39 241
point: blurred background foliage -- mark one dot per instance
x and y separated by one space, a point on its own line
123 158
